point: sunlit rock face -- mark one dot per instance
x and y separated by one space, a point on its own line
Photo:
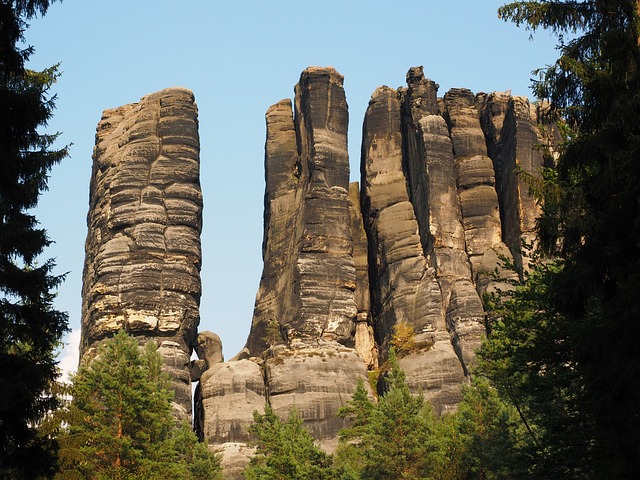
416 243
309 278
143 256
420 272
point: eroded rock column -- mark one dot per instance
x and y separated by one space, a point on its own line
302 344
143 256
404 285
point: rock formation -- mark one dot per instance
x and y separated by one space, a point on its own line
404 284
411 248
302 348
417 246
142 264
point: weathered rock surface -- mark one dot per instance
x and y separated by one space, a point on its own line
234 459
143 253
415 234
309 277
440 200
475 176
403 286
317 381
230 393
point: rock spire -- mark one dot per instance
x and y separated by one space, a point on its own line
143 256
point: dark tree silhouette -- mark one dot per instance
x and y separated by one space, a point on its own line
30 328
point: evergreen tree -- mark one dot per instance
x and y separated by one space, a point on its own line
285 450
399 437
392 439
492 436
398 440
30 328
583 326
349 460
120 422
450 446
534 371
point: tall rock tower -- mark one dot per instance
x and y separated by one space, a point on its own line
311 317
143 256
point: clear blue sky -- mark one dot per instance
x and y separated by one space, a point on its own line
239 58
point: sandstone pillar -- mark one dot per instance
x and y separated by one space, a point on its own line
143 257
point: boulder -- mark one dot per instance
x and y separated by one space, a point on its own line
230 392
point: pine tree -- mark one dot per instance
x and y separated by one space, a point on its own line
532 366
494 438
391 439
398 440
120 422
450 447
30 328
349 460
587 326
285 450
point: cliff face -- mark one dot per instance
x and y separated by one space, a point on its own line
413 247
143 253
309 275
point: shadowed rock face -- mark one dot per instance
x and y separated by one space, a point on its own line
143 253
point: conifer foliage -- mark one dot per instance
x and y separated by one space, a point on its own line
30 328
399 437
120 422
285 450
390 439
581 314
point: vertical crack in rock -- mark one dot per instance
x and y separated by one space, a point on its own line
365 343
143 256
404 286
516 135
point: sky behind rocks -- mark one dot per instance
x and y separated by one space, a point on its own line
239 58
